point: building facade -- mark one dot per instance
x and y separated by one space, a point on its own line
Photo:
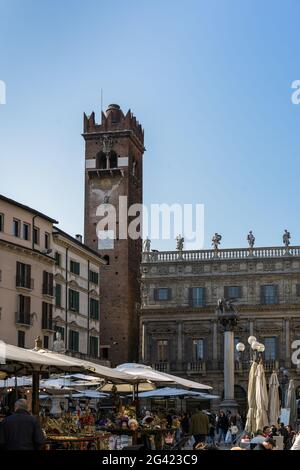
77 295
49 281
113 179
179 329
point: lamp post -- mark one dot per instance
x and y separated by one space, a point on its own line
256 348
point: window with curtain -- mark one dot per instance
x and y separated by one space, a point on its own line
270 348
198 349
162 350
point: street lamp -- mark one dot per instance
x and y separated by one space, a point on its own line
255 346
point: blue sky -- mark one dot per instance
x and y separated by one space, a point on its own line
210 82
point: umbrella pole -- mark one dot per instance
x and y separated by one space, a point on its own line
35 393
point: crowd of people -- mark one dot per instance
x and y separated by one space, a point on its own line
199 430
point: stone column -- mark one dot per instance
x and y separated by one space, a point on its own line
287 344
143 345
228 318
228 365
179 346
215 345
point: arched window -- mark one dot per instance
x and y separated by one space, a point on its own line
113 160
101 161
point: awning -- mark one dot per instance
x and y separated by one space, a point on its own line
159 377
166 392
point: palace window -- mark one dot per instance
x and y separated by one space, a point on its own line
1 222
269 294
232 292
93 277
23 278
21 339
197 296
162 293
36 236
47 283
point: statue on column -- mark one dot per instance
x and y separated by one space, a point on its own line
227 314
286 238
251 239
216 240
58 344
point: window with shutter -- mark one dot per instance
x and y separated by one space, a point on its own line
23 278
269 294
94 346
162 293
197 296
74 340
232 292
58 295
94 309
73 300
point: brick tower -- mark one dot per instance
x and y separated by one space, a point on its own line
113 168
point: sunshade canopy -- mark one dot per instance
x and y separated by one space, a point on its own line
176 392
20 361
159 377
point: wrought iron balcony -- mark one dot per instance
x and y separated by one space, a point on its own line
23 318
24 283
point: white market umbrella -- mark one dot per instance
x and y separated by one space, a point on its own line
261 396
290 402
250 422
176 392
159 377
127 388
274 404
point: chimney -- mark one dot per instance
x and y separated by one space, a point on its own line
78 237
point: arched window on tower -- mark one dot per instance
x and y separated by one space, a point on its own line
101 161
113 160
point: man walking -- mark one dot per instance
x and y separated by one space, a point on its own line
21 431
199 426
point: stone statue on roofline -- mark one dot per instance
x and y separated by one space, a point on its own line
147 245
216 240
251 239
180 243
286 238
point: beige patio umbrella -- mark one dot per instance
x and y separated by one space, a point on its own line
251 423
261 396
290 402
274 404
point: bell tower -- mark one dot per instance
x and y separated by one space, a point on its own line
114 169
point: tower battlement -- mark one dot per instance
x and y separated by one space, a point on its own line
113 120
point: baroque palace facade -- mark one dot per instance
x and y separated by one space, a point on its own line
179 330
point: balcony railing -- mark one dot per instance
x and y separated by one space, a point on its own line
23 318
197 366
222 254
161 366
48 289
24 283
